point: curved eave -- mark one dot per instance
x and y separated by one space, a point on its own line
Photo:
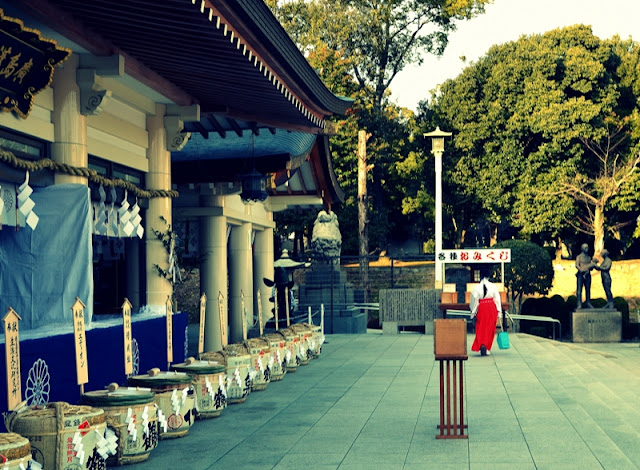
314 177
266 34
228 57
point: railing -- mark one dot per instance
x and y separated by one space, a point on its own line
511 317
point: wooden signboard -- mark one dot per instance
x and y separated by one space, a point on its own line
261 326
203 309
223 319
275 307
126 328
286 305
27 64
169 332
12 356
82 366
450 338
244 316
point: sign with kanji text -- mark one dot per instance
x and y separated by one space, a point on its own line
475 255
203 309
244 316
27 64
126 327
223 319
82 366
259 294
12 356
169 331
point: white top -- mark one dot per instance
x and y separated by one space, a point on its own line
478 293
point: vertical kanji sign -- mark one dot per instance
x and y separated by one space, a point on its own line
82 367
259 294
223 320
244 316
203 309
286 305
126 327
169 332
12 356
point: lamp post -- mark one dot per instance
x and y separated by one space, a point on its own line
437 147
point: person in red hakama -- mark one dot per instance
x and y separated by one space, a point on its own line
486 308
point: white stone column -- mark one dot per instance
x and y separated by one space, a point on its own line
213 270
158 177
70 127
240 278
263 267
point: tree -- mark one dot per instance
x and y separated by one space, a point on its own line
371 41
530 271
546 131
378 37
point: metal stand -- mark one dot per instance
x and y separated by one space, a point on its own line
452 415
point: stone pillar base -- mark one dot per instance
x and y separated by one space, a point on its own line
596 325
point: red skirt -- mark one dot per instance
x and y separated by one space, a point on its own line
486 320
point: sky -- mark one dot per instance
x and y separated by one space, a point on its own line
507 20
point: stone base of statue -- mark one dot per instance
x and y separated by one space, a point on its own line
596 325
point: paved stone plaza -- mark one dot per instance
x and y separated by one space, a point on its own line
372 402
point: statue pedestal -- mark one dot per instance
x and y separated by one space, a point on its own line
596 325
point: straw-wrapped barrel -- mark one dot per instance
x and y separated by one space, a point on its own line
209 382
317 340
305 335
132 414
262 361
15 451
175 398
280 353
239 373
63 436
293 343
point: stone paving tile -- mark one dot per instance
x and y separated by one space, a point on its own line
372 402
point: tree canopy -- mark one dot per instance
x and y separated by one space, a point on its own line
358 47
547 131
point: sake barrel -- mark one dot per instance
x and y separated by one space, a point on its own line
304 336
262 361
209 382
317 340
238 374
15 450
175 398
293 343
131 413
63 436
238 353
279 351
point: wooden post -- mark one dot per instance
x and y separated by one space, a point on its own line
169 332
363 219
223 320
310 320
82 368
261 326
244 316
126 330
286 305
450 349
12 358
203 309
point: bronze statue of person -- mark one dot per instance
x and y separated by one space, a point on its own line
584 265
604 269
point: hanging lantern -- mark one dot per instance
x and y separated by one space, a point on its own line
254 187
